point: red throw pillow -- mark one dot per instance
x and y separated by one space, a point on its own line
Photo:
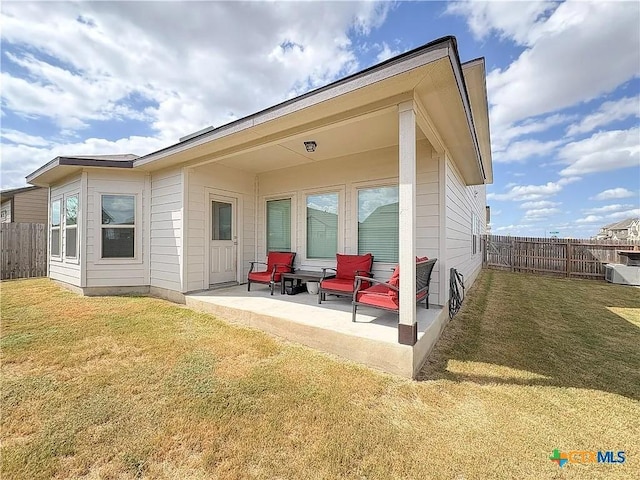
348 265
281 259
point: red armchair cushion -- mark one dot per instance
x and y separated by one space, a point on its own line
348 266
378 298
264 277
280 258
338 284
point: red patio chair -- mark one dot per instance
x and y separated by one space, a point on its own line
277 264
347 268
384 295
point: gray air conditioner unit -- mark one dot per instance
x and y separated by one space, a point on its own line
622 274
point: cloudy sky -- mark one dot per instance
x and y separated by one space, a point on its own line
132 77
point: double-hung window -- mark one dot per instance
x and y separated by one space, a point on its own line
71 226
322 225
378 222
118 226
55 228
279 225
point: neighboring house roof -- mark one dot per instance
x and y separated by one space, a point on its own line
453 115
9 194
622 224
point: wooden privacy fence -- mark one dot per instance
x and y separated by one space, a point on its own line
23 247
559 256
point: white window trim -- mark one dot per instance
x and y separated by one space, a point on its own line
380 183
341 191
283 196
56 258
137 228
74 260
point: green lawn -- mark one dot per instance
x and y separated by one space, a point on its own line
133 387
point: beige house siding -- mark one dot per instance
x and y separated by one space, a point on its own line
461 203
166 229
212 179
31 206
116 272
5 212
61 268
346 175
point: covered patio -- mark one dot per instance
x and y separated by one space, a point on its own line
372 340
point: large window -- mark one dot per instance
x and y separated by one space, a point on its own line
71 227
378 223
279 225
322 225
118 226
55 228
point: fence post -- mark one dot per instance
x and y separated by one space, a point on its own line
569 255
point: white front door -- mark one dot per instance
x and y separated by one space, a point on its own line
223 240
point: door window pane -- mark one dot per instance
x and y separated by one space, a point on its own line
378 221
322 225
222 218
279 225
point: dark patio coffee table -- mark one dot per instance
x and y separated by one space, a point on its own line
300 276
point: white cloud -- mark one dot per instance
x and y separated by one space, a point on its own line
513 228
501 137
386 52
502 18
590 219
14 136
613 193
540 213
601 152
524 149
634 212
104 61
552 73
540 204
607 208
608 112
521 193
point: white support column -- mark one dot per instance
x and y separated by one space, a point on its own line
407 328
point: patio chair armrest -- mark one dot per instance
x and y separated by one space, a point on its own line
253 265
361 272
360 279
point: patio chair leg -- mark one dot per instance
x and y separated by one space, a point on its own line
248 285
319 297
353 312
271 285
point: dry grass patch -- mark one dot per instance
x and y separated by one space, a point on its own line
132 387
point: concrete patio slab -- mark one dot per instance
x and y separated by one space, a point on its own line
371 340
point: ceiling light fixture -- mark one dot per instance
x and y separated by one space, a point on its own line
310 146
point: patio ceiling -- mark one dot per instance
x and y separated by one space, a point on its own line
370 132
